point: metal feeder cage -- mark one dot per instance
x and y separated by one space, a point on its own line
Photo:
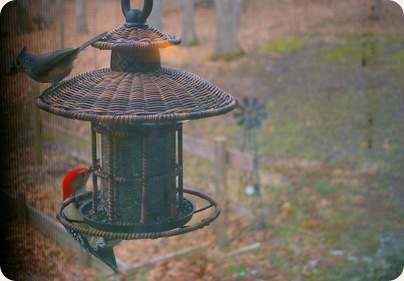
136 108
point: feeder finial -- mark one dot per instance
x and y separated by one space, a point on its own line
136 17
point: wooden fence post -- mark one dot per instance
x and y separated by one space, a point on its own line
220 167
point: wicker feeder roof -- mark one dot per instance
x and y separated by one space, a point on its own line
126 37
163 95
153 94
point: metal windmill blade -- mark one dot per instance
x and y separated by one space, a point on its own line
250 113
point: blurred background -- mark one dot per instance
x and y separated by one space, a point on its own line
321 117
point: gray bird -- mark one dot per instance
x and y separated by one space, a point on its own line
50 67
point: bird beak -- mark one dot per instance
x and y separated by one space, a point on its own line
87 175
90 169
90 166
89 172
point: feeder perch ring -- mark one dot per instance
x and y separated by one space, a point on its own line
131 232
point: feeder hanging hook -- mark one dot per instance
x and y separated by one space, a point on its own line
136 17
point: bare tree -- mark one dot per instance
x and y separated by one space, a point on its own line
46 14
155 16
227 27
23 16
60 11
81 15
188 23
377 9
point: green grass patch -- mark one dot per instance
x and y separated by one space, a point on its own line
278 259
324 187
396 60
286 230
351 54
236 270
228 57
367 46
285 45
391 37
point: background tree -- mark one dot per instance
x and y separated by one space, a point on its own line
23 16
155 16
227 27
188 23
60 11
377 9
81 15
47 20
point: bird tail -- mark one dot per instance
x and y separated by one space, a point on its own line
107 256
92 40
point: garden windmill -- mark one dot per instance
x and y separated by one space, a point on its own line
250 114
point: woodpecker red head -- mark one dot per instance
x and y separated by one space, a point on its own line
75 181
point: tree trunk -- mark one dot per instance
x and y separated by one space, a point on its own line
60 11
377 10
227 27
188 23
46 14
23 16
81 15
155 16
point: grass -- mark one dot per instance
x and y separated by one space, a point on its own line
385 37
285 45
228 57
321 215
327 121
364 47
323 187
396 60
235 270
350 54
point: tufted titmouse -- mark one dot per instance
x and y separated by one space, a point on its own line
51 67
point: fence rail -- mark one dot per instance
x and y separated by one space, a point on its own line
195 146
203 149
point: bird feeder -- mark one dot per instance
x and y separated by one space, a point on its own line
136 109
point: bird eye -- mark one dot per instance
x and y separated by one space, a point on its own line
18 62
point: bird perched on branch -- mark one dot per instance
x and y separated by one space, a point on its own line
50 67
74 183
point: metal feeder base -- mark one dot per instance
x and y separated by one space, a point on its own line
184 216
132 232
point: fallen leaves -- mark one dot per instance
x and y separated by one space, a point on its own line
36 257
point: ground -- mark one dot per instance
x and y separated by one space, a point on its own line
331 149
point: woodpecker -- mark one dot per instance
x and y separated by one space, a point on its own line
74 183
